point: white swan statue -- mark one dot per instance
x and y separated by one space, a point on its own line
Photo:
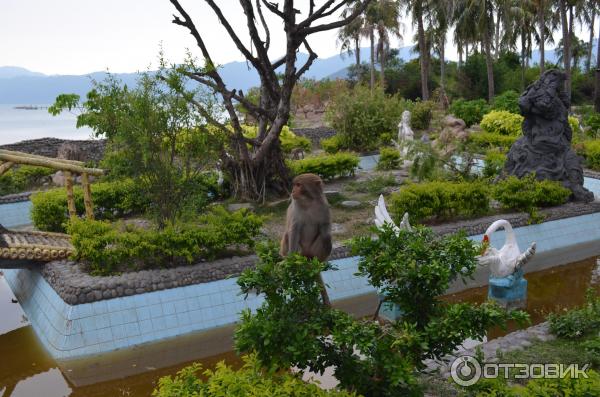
382 217
509 258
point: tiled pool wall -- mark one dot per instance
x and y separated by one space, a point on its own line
75 331
15 214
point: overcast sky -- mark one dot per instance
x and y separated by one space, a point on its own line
82 36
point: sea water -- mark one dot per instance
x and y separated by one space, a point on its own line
23 124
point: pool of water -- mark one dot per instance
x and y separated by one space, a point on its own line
27 370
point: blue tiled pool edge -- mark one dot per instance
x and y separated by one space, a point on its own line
75 331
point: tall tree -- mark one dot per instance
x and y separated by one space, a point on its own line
349 36
255 166
522 14
588 12
418 10
597 83
387 13
441 16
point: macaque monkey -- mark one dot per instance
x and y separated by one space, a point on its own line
297 154
308 223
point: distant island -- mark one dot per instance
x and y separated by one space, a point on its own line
30 107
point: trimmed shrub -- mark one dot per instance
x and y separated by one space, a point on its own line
503 123
440 200
21 178
421 115
575 125
508 101
471 112
486 140
289 140
360 117
527 193
331 145
326 166
591 153
593 123
111 200
389 159
106 247
493 163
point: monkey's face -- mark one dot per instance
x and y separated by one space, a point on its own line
307 187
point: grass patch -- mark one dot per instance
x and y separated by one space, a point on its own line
374 185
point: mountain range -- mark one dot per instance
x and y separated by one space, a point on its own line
23 87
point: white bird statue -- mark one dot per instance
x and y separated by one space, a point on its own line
509 258
382 217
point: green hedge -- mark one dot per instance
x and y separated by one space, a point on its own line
441 200
106 247
326 166
502 122
471 112
389 159
527 193
21 178
493 163
331 145
508 100
111 200
486 140
591 153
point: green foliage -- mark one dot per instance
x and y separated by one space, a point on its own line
528 193
440 199
289 140
421 115
360 117
493 163
471 112
250 380
486 140
507 101
593 123
502 122
412 269
155 134
578 322
591 153
374 185
331 145
111 200
21 178
575 125
389 159
106 248
326 166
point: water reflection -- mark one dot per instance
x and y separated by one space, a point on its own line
26 369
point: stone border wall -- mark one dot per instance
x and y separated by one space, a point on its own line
93 150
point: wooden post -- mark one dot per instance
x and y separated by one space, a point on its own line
5 167
70 199
87 196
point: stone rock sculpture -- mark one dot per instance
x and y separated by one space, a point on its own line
545 147
454 131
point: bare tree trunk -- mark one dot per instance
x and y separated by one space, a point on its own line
357 50
588 63
597 85
542 23
466 51
460 55
566 46
490 66
423 58
497 38
443 97
382 65
372 38
523 55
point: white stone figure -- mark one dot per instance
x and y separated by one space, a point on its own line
382 217
405 134
509 258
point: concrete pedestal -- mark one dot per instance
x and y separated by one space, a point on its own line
510 291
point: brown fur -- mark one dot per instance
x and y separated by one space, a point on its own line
308 222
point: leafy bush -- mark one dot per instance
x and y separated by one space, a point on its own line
331 145
507 101
493 163
471 112
374 185
326 166
111 200
502 122
578 322
21 178
486 140
360 117
441 200
421 115
250 380
527 193
389 159
575 125
591 153
106 247
593 123
289 140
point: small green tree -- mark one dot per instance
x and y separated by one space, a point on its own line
154 135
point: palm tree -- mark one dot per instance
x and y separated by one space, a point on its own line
349 36
418 10
578 51
588 11
441 17
387 25
522 14
476 17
